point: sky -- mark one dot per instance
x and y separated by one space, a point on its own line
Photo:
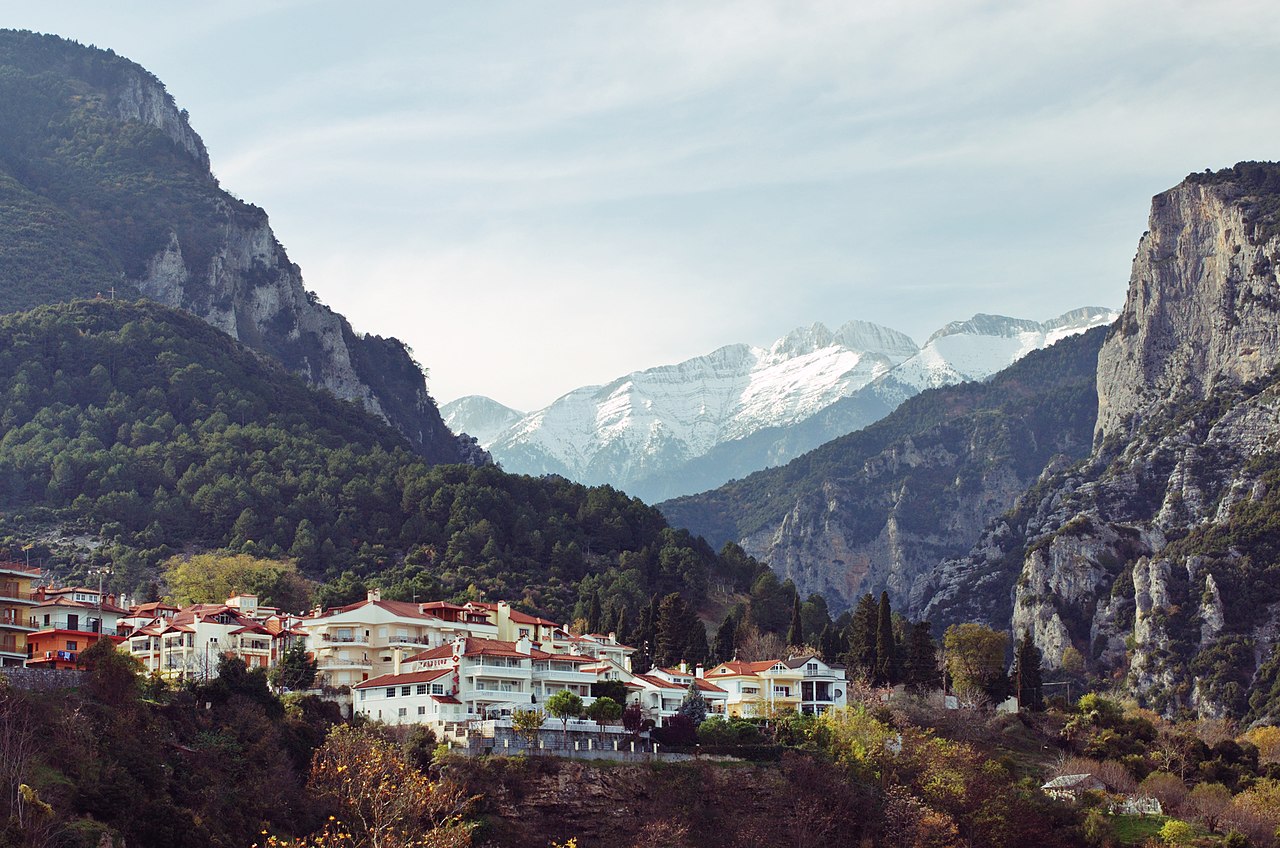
540 196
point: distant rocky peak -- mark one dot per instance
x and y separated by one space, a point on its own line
987 325
858 336
803 340
874 338
1085 316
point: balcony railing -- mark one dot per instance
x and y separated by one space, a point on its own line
345 640
821 672
9 645
80 627
13 589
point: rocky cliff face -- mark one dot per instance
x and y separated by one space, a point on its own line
879 508
1153 557
1202 306
141 189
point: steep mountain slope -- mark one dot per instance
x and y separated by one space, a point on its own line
690 427
877 508
105 187
132 431
1156 556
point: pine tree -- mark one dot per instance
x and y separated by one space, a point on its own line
693 706
795 633
921 661
886 651
861 656
726 635
1026 674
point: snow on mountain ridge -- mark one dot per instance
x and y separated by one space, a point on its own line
649 424
681 411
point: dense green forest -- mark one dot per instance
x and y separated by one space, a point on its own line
155 433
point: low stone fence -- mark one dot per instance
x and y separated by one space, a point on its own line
42 679
502 741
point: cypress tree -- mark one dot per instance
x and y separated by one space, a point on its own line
861 656
593 612
829 644
672 631
620 623
795 633
1026 674
886 652
726 637
921 662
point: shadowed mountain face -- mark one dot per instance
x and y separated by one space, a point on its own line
879 508
105 188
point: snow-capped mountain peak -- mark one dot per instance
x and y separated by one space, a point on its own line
741 407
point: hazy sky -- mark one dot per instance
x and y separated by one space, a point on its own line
541 195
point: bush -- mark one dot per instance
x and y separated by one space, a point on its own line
676 730
1177 832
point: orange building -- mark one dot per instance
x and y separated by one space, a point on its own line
16 601
66 622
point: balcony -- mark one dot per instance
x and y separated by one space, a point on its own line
10 620
9 645
410 641
344 640
829 673
13 592
336 664
79 627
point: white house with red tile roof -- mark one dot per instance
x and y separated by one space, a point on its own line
358 642
188 643
803 683
416 697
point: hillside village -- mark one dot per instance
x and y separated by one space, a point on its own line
455 668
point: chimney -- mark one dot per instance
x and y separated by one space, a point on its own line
375 594
397 656
613 638
504 620
684 667
699 671
524 646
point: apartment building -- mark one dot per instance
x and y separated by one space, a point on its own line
67 621
17 598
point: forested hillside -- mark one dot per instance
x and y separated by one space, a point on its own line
145 429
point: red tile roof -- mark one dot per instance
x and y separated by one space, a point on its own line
404 679
432 654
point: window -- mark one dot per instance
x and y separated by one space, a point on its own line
784 691
72 646
404 690
422 689
422 710
363 692
404 711
437 688
812 666
391 691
